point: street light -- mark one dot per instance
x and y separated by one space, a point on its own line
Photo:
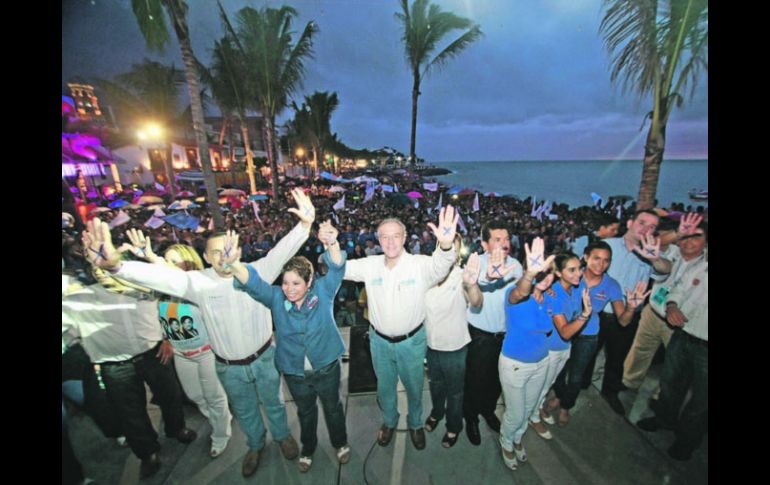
300 156
153 132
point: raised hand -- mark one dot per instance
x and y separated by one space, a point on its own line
140 245
496 268
689 223
535 261
636 297
650 249
327 233
97 242
231 253
305 209
471 270
587 308
447 226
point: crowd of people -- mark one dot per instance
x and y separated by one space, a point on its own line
491 296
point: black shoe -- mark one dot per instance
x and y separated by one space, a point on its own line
614 402
448 442
186 435
472 430
150 466
493 422
649 424
431 423
680 452
418 438
623 387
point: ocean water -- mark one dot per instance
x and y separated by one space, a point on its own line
572 181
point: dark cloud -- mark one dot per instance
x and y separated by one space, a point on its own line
535 86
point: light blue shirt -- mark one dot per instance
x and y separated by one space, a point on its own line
628 268
491 316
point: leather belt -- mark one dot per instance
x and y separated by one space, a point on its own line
399 338
248 360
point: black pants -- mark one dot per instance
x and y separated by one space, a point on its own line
618 340
125 388
482 380
71 470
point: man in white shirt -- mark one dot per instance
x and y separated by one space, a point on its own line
396 284
240 328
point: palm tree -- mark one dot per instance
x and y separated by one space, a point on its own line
152 23
226 78
658 48
275 65
313 121
424 27
149 90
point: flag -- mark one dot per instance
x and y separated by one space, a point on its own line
336 219
386 188
461 223
596 197
532 212
476 203
395 188
340 204
416 203
369 192
211 224
620 207
432 187
158 212
160 187
119 219
255 206
438 207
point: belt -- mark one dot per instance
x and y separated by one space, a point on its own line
484 332
196 351
248 360
399 338
694 339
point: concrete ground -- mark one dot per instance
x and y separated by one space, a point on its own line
597 447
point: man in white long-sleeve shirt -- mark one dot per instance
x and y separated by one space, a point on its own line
240 328
396 283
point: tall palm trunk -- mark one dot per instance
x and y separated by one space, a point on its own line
249 157
415 94
191 74
269 135
653 157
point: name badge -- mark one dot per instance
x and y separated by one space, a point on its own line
660 295
376 282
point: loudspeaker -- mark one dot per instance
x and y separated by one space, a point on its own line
361 377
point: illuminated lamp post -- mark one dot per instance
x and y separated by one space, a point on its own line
300 156
153 133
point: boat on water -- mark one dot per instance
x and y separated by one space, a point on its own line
698 194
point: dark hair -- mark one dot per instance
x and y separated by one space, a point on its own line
300 265
667 224
597 245
561 259
487 228
603 219
704 225
645 211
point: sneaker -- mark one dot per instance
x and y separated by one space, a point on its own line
289 448
343 454
250 463
304 463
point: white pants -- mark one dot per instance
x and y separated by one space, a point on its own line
556 361
522 383
199 380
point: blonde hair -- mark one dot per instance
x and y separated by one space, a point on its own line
114 284
188 254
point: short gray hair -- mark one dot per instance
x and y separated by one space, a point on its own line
393 220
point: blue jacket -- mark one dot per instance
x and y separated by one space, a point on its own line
308 331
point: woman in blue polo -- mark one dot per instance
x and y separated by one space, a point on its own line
308 342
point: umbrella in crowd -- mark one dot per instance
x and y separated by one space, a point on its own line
492 194
182 220
414 195
232 193
154 206
183 204
132 206
97 210
118 204
466 192
258 197
184 193
337 188
149 199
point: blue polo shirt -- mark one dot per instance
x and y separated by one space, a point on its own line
568 304
608 290
527 324
553 340
306 331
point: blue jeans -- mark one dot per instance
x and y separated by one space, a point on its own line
246 386
446 377
405 360
323 383
686 364
570 379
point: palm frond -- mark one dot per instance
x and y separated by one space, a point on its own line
152 23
